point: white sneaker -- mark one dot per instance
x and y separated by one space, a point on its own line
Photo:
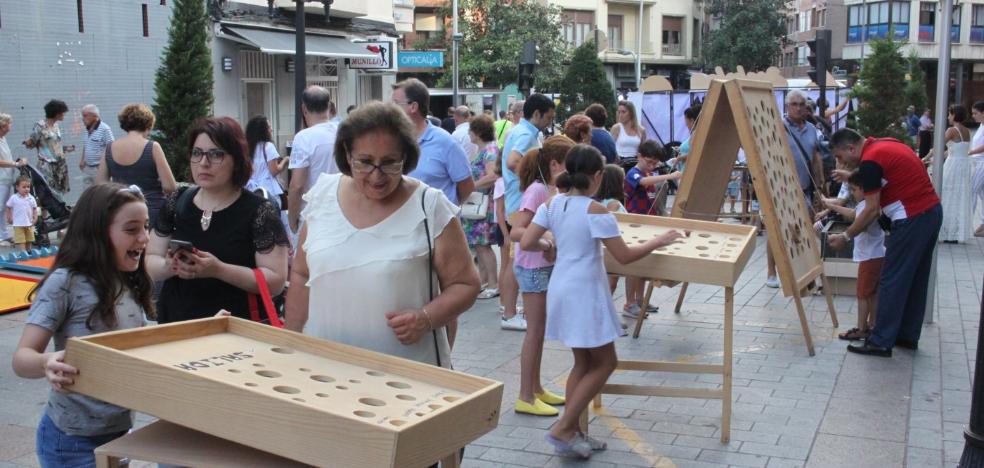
772 282
502 310
632 311
517 322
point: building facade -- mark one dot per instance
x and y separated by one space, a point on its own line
920 25
803 18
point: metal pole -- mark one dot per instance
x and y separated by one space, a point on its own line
973 454
942 100
639 50
300 64
454 53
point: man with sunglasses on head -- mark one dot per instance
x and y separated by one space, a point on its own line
443 164
312 151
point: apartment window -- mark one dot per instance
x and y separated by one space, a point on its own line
78 8
146 23
900 21
163 2
927 21
977 24
955 25
855 24
878 20
672 35
578 26
821 18
695 38
804 21
426 26
801 54
615 32
790 25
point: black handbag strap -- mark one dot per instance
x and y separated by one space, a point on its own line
430 271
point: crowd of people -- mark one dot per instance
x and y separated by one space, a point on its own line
368 221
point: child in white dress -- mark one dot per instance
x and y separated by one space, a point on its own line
582 314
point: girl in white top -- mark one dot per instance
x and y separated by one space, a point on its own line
582 313
956 193
267 162
628 134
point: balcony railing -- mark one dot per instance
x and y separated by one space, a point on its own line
672 49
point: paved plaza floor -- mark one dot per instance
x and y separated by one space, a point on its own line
834 409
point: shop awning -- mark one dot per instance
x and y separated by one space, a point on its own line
282 43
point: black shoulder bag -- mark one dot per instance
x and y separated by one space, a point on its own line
430 272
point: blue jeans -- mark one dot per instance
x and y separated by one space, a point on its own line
532 280
57 449
904 281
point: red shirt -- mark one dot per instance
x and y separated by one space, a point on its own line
892 168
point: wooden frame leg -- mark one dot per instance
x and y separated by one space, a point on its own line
106 461
729 310
830 300
451 461
804 324
683 293
645 306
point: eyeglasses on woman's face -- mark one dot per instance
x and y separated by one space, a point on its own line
365 166
214 156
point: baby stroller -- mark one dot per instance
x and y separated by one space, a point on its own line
55 212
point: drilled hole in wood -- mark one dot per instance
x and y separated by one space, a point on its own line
372 402
286 389
282 350
724 256
250 384
355 381
235 371
704 255
701 247
418 414
375 373
704 235
256 364
451 398
400 385
341 387
406 397
321 395
322 378
635 225
397 422
364 414
299 399
434 406
304 369
268 374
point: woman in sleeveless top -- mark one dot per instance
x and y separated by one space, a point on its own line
956 193
382 262
628 134
135 160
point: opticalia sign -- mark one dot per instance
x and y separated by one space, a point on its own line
421 59
383 59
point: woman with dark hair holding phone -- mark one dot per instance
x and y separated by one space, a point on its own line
232 232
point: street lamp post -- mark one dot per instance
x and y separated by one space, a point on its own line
638 55
455 39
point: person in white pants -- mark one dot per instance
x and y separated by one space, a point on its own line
976 154
8 172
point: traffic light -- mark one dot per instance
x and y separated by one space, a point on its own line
527 65
819 57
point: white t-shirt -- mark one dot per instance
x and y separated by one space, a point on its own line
870 243
977 140
22 208
262 155
7 174
314 148
463 139
498 191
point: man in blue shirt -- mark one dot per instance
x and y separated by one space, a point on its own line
443 164
538 114
912 122
600 138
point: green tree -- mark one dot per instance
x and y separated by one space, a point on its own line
584 83
493 35
915 88
183 84
748 34
881 91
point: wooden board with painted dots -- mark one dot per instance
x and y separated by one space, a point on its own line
302 398
711 253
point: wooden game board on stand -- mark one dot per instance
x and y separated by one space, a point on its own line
305 399
743 114
712 253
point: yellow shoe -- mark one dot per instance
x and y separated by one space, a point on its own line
550 398
538 408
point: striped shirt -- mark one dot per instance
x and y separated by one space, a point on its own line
96 142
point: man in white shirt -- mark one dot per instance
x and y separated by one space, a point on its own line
312 151
976 154
460 135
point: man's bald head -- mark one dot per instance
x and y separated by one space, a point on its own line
461 114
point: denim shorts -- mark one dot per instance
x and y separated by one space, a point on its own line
532 280
58 449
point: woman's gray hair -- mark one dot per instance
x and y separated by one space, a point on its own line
5 118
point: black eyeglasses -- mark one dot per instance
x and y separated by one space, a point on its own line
215 156
366 167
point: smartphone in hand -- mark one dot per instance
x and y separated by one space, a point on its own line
178 246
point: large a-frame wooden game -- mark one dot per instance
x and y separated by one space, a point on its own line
743 114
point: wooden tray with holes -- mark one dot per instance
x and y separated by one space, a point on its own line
310 400
713 253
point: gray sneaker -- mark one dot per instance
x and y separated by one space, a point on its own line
577 447
632 311
517 323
